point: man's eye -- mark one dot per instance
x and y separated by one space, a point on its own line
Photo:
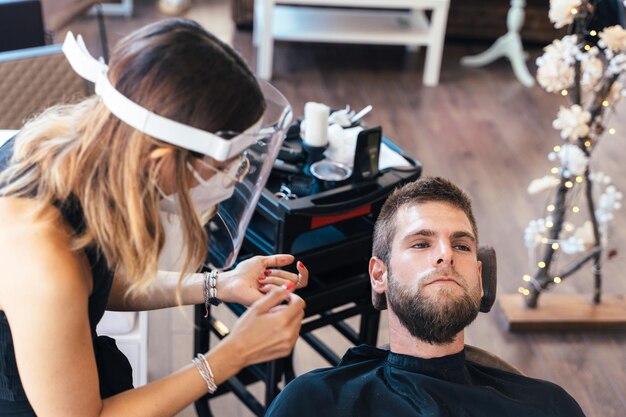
420 245
464 248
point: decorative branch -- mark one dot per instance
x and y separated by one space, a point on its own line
592 77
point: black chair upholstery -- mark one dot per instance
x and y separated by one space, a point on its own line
21 24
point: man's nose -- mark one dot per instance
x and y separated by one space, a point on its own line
443 255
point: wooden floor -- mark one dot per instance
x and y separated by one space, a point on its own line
483 130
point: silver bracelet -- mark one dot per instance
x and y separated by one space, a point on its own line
210 291
202 364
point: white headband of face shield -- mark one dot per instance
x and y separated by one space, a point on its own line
144 120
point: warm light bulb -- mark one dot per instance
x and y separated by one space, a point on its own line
579 179
555 246
587 144
587 47
549 224
544 240
557 148
593 33
575 209
526 278
605 103
550 207
612 131
569 184
557 280
574 11
554 170
541 264
563 93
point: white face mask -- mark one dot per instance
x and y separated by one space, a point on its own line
209 193
204 196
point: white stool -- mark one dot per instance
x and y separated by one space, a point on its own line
130 331
279 19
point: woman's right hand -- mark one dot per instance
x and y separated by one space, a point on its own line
269 328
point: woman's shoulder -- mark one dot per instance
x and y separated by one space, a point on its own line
25 219
35 251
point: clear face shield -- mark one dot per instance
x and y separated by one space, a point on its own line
235 166
248 173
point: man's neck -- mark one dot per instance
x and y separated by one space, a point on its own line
403 342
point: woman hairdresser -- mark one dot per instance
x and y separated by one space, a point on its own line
179 124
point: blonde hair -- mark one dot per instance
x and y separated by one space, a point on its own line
75 151
81 151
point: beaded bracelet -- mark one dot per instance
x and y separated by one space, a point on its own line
210 291
204 368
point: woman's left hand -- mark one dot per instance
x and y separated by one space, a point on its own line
255 276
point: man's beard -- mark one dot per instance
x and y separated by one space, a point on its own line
435 319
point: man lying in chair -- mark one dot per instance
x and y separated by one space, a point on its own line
425 268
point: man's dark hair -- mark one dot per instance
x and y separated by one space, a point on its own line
421 191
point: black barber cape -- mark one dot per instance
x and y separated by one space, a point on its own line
378 383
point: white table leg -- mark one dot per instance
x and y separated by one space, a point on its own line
434 51
265 47
508 45
257 22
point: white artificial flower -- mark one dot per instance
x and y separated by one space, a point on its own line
555 68
614 38
572 245
573 122
561 12
617 65
535 232
592 68
573 159
615 94
542 184
585 234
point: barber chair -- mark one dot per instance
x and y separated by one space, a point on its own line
330 231
32 79
487 255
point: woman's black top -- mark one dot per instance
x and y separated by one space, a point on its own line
114 370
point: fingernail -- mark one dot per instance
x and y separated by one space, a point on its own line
262 278
267 272
261 286
289 286
300 264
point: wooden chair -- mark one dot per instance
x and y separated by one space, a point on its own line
32 79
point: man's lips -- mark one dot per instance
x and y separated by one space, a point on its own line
443 280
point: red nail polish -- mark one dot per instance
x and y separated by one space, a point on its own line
262 279
300 264
290 286
261 286
267 272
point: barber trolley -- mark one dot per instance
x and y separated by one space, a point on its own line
328 225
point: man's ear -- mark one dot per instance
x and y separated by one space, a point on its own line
378 275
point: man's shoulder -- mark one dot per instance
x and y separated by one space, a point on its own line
543 394
357 361
321 387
